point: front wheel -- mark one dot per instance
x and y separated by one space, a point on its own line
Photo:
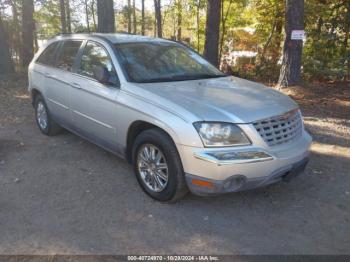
158 167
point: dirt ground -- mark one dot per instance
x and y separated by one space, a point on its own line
64 195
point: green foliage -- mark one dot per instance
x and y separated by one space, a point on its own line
47 18
247 25
326 51
122 20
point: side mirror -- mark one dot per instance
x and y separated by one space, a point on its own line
101 74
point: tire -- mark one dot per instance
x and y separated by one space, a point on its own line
50 128
175 188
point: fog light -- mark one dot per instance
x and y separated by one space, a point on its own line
227 184
234 182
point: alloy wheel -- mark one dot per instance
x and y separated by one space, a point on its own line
41 115
152 167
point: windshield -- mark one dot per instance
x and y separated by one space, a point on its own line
147 62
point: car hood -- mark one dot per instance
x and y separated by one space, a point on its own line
227 99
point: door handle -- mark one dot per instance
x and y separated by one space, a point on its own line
48 75
76 85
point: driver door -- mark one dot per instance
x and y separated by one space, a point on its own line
93 104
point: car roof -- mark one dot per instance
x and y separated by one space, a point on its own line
114 38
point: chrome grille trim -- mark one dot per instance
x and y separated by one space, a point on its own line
280 129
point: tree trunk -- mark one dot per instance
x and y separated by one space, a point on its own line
6 63
155 27
179 20
211 51
36 43
69 21
223 25
134 16
319 25
346 40
27 32
63 17
174 26
105 16
87 15
158 15
143 17
129 16
277 42
292 51
93 14
261 59
198 19
346 28
17 31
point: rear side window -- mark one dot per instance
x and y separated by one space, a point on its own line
48 55
67 54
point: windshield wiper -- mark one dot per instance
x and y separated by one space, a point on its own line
180 78
205 76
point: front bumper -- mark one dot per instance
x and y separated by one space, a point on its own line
238 183
206 175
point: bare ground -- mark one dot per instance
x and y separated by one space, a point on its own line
63 195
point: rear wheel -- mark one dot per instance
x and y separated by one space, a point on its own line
43 119
158 167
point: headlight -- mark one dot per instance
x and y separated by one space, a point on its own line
216 134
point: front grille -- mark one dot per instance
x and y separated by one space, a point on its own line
280 129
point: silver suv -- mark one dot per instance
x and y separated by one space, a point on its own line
178 120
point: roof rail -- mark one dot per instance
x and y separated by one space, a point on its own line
79 32
58 34
89 32
125 33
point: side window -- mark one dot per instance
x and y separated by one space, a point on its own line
95 55
48 55
67 54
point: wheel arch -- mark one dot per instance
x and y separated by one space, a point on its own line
136 128
34 93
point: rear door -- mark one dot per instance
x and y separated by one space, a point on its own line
42 66
58 81
93 104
